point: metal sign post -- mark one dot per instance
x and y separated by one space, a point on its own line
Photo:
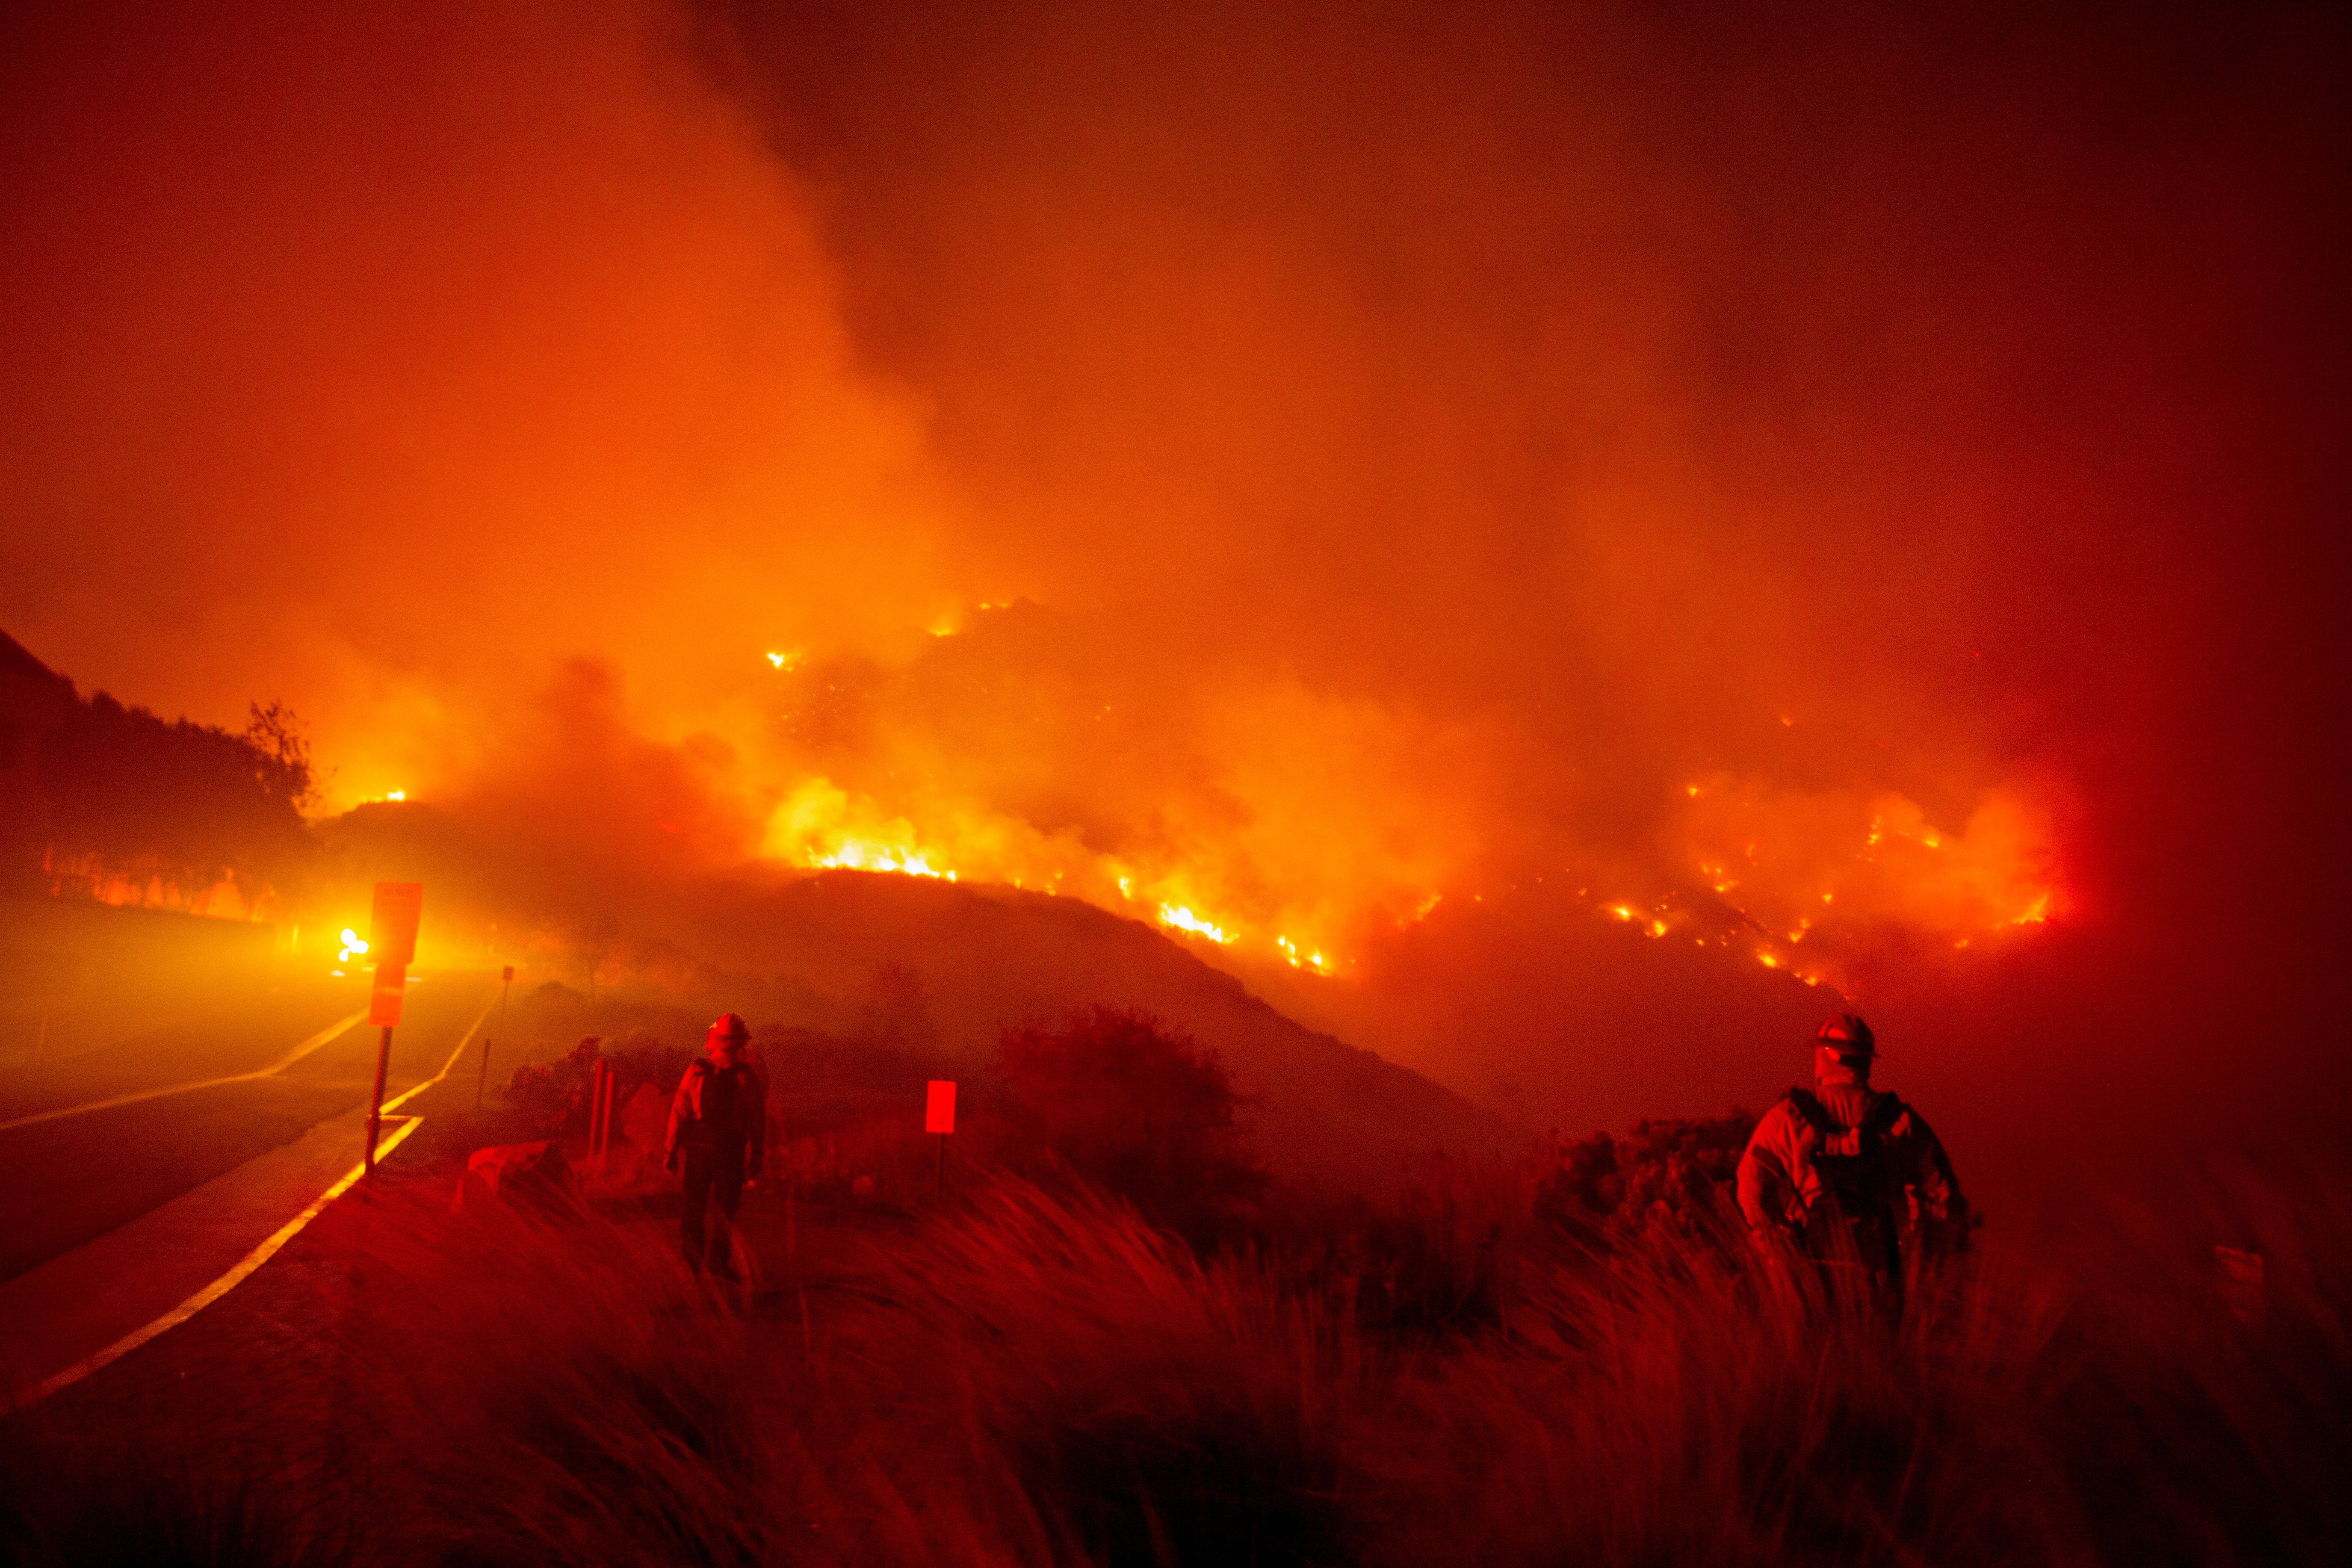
392 938
506 983
384 1011
939 1116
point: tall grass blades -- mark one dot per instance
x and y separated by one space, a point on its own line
1036 1377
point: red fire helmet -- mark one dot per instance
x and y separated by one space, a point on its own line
730 1026
1847 1035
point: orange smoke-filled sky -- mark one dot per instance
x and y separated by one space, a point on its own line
1421 445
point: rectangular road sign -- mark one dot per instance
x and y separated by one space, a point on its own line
391 933
939 1108
383 1001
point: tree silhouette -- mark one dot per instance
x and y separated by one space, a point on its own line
185 803
1140 1109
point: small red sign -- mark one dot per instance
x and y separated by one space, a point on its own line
383 1001
938 1110
507 975
391 933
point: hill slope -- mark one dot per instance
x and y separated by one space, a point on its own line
986 956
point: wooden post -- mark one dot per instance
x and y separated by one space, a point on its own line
484 1082
611 1087
943 1165
375 1102
596 1114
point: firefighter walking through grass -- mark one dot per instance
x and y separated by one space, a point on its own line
1848 1175
717 1126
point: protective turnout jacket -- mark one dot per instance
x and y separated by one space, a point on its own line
720 1107
1846 1146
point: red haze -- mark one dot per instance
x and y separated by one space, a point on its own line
1432 442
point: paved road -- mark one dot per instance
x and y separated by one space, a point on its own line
70 1179
236 1026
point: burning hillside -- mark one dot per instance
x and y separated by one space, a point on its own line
1829 497
1288 824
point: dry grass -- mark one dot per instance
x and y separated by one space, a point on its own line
1027 1378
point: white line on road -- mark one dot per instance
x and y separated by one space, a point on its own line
267 1250
463 1041
218 1288
281 1064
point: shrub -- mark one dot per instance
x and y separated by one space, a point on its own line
553 1097
642 1059
1669 1178
1141 1111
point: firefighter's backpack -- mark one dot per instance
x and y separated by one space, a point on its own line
1851 1161
717 1108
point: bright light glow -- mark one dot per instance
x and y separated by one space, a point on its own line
1313 961
882 858
1185 920
788 659
353 945
821 826
397 795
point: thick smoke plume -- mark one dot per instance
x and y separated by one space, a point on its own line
1468 493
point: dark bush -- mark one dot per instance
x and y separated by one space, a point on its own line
644 1060
553 1097
1137 1110
1668 1178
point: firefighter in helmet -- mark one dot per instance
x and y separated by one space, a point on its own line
718 1130
1847 1174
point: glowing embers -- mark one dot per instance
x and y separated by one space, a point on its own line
1313 961
821 826
790 658
882 858
1183 919
1817 873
